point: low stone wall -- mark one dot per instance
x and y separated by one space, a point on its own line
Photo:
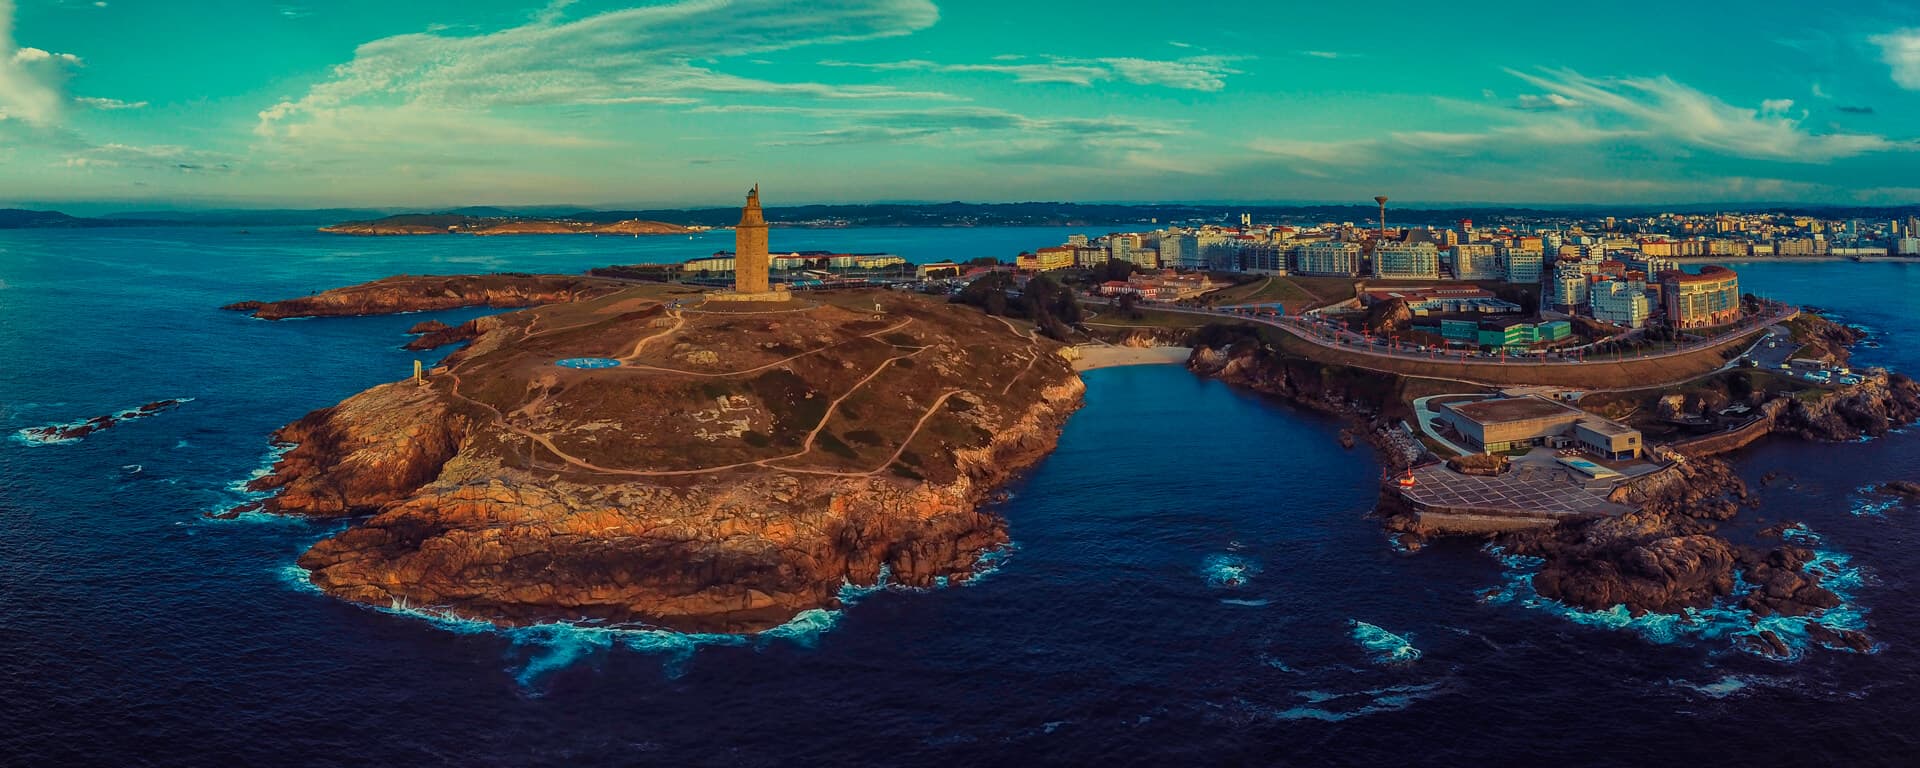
1440 521
1735 439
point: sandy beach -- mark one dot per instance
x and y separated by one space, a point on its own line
1092 357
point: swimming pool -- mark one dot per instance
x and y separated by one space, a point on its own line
588 362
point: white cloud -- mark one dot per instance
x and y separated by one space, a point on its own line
29 77
1322 54
35 55
1775 106
1900 49
659 54
1193 73
1676 115
1546 102
165 157
96 102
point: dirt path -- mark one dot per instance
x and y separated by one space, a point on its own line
813 435
755 369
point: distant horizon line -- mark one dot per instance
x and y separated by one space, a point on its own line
124 207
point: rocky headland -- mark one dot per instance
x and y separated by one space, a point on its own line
740 466
419 293
1669 554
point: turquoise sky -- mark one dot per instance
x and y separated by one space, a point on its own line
428 103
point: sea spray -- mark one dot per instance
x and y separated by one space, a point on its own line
1383 647
1228 571
1722 622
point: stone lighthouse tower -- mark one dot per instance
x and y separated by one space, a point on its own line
750 261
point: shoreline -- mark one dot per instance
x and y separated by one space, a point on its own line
1829 259
1096 357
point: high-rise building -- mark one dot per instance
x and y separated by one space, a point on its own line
1406 261
1620 301
1476 261
1523 265
1181 250
1328 258
1709 298
1569 282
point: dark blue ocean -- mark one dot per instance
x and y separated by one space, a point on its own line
1193 581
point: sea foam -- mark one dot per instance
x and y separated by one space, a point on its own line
1383 647
1723 622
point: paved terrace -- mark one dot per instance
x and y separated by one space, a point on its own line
1529 489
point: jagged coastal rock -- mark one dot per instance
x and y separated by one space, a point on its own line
1665 557
739 466
60 433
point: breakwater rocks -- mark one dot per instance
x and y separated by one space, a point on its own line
417 293
824 448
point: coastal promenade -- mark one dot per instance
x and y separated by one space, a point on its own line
1393 356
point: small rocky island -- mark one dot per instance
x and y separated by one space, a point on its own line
701 466
456 224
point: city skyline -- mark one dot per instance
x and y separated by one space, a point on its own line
672 104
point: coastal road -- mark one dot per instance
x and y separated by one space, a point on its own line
1327 334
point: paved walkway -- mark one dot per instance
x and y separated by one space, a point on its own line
1530 489
1426 416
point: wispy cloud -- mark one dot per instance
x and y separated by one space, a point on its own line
1324 54
1545 102
106 104
1194 73
158 157
1663 110
658 54
1625 138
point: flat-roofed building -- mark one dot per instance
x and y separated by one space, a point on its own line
1515 423
1621 301
1476 261
1523 265
1328 258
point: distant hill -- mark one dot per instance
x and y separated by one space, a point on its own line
15 218
569 219
251 218
460 224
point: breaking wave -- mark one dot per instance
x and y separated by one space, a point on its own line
61 433
1228 571
1333 707
1723 622
539 650
1383 647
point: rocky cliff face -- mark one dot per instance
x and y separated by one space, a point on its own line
422 293
743 552
1882 403
471 514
